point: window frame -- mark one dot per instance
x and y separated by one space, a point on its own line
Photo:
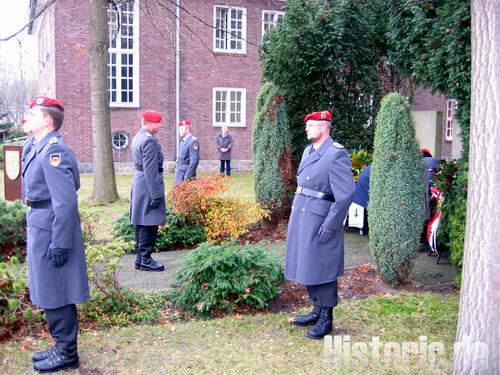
228 90
451 107
275 13
243 38
135 66
120 133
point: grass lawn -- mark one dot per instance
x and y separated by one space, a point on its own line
260 343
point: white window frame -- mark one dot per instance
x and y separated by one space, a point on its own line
243 38
276 13
451 107
135 67
243 112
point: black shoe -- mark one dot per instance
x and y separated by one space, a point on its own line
40 356
308 319
150 264
324 325
57 361
137 262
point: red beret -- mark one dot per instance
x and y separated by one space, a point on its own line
319 116
45 101
426 152
152 116
184 123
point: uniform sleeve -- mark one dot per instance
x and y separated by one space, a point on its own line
230 142
150 168
58 169
194 159
342 185
217 142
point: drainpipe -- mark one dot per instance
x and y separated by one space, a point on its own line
177 72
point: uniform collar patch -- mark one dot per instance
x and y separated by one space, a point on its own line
55 159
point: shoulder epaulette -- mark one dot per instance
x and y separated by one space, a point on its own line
194 138
148 135
338 145
53 140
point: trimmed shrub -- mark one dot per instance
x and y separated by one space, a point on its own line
396 191
215 279
14 297
13 230
272 154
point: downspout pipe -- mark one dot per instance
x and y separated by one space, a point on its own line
177 71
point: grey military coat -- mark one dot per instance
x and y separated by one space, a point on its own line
224 142
188 158
147 183
327 170
50 176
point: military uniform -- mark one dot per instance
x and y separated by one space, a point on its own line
188 158
224 141
315 241
431 165
147 199
57 271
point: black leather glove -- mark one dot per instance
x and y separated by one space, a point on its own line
57 256
324 235
155 203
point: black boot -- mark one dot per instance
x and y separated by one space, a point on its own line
138 261
57 360
324 325
40 356
308 319
149 264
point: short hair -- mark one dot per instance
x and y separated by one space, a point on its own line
55 114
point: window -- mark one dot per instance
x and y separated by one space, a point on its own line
451 106
229 106
123 64
271 19
230 29
120 140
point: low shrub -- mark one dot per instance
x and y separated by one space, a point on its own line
123 230
14 298
88 217
360 159
214 279
13 230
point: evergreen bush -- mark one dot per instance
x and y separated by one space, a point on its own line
13 230
214 279
271 139
396 191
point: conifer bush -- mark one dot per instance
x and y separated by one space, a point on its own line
396 191
272 151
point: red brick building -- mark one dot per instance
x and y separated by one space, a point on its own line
198 61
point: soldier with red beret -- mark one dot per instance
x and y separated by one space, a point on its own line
315 242
188 155
147 197
56 258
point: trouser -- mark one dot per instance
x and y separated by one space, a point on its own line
325 295
225 165
145 238
63 327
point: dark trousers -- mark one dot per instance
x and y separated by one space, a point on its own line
225 165
63 327
145 238
325 295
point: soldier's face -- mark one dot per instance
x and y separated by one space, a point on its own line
183 131
154 127
313 130
35 121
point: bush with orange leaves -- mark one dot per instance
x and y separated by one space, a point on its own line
223 218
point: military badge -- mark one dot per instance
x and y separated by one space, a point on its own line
55 159
323 115
196 145
39 100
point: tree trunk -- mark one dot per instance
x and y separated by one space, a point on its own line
104 171
478 333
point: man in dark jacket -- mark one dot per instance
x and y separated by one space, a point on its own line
56 257
224 142
315 243
147 198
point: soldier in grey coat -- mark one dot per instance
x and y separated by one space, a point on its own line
224 142
431 165
147 198
56 258
315 243
188 155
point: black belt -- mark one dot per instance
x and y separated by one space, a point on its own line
315 194
46 203
141 169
